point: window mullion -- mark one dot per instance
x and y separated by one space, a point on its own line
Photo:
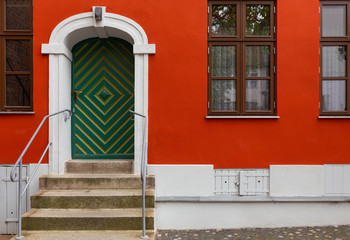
240 21
272 76
243 78
348 17
2 74
347 79
2 20
347 59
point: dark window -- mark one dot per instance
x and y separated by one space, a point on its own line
241 50
16 55
334 61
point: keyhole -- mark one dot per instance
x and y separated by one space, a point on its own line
225 181
11 212
258 181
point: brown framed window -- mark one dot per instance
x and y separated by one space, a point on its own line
334 60
16 40
241 56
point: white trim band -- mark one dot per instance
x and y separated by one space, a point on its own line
251 199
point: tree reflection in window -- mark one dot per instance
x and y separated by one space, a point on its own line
224 20
258 20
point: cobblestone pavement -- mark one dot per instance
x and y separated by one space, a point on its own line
5 237
297 233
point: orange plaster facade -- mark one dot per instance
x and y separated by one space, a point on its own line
179 133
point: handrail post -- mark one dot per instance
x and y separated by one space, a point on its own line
18 164
19 202
144 154
143 173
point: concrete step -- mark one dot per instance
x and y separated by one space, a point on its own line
86 219
92 199
94 181
99 166
84 235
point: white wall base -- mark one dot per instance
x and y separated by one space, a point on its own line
337 179
195 215
34 185
296 180
8 194
183 180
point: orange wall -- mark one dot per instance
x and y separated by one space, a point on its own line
178 130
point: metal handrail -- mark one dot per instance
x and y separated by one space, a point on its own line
143 173
14 177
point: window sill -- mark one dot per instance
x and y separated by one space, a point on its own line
242 117
334 117
17 113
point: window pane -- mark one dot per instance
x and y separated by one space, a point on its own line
17 90
223 22
18 55
334 61
257 95
334 21
258 20
223 61
223 95
257 61
334 95
18 14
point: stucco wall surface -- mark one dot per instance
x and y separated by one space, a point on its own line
179 133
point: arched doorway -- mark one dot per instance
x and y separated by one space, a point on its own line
66 35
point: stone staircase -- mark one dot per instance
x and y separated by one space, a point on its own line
91 196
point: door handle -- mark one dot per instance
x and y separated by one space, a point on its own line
75 95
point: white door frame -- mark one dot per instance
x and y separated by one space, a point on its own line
65 35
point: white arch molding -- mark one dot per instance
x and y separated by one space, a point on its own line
65 35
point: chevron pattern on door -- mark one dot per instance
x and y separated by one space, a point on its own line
102 95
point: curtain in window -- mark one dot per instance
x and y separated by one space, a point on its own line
223 95
257 65
334 21
334 95
223 66
334 65
257 95
224 61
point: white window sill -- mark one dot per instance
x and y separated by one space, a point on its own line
242 117
333 117
17 113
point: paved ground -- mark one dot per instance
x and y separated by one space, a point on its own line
5 237
297 233
83 235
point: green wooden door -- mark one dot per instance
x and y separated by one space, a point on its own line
102 95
